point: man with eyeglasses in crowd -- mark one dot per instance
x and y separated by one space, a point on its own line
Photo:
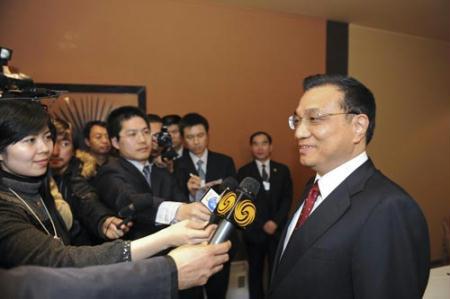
127 183
354 233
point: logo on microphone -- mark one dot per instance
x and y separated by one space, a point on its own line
226 203
244 213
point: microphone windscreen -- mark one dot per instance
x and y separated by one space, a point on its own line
228 183
250 185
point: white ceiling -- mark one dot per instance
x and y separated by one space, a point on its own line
425 18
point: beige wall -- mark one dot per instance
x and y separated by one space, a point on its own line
410 79
241 68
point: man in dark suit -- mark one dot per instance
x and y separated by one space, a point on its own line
131 179
272 205
355 233
195 169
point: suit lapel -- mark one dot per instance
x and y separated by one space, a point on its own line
254 172
156 180
273 172
210 167
324 217
283 234
189 165
134 173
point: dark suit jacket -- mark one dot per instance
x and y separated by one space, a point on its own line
218 166
152 278
368 239
120 183
270 205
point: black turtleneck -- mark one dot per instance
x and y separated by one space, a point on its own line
32 190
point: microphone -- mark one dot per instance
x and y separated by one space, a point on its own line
236 209
128 212
213 195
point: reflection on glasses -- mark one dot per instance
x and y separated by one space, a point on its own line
133 134
312 118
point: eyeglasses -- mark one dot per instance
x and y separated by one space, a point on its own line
312 118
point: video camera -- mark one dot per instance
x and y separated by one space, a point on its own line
164 141
15 85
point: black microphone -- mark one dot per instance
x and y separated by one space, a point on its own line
236 209
129 211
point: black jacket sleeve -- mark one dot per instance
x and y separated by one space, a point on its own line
153 278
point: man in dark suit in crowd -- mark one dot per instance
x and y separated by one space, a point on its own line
131 179
192 171
272 205
355 233
157 277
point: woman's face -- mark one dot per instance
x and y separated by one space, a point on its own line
28 157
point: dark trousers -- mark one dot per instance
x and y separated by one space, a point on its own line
257 253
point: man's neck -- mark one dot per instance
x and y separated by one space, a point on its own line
200 155
100 159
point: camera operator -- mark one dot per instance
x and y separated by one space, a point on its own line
163 152
172 123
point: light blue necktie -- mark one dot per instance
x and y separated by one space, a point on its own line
202 175
200 171
147 174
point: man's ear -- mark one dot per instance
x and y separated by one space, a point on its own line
360 124
86 141
115 143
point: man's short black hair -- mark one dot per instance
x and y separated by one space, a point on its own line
171 119
154 118
118 115
357 97
261 133
89 125
193 119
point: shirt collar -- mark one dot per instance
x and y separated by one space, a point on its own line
329 181
139 165
260 163
180 152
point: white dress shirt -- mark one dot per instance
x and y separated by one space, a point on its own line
180 152
327 183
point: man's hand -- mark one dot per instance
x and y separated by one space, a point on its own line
196 263
193 211
188 232
270 227
110 230
194 184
